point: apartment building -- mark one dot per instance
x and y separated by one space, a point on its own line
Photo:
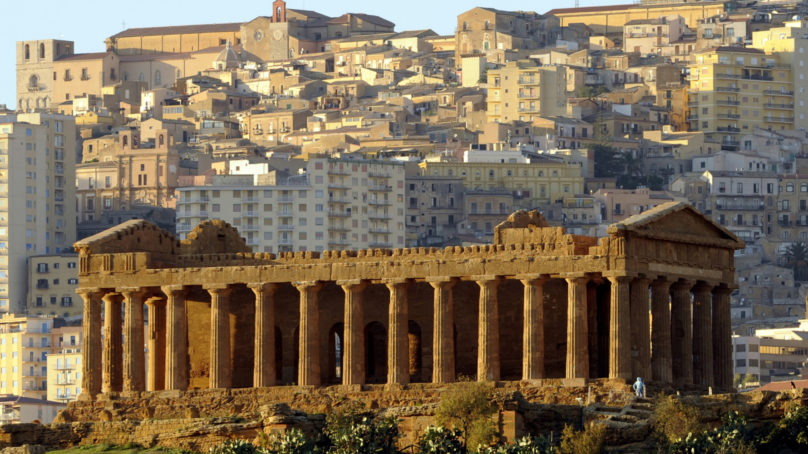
524 90
25 342
743 202
487 30
335 204
778 354
619 204
540 181
734 90
52 283
484 210
660 36
792 209
64 364
37 193
434 209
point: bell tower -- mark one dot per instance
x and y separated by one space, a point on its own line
278 11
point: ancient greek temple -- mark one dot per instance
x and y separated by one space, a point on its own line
650 299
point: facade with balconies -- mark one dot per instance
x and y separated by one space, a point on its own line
24 345
335 204
743 201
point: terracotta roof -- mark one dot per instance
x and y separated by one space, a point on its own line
589 9
779 386
179 29
365 17
307 13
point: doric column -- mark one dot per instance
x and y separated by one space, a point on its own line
640 329
91 352
488 329
264 356
353 337
220 366
702 335
113 343
722 338
134 361
176 376
577 330
682 336
308 371
620 328
661 353
533 328
443 364
398 352
155 376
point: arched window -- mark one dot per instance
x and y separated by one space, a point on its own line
278 14
33 81
125 141
158 78
161 140
27 52
41 51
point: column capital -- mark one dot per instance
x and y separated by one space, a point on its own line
642 278
396 281
661 283
575 278
684 283
111 297
532 278
441 281
305 285
169 289
129 292
265 287
88 291
723 289
485 279
704 286
154 301
619 278
352 284
220 289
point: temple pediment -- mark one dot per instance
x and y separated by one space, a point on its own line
678 222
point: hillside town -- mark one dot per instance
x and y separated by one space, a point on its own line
314 133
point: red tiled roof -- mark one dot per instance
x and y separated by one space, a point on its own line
179 29
779 386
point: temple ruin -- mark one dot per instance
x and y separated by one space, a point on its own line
650 299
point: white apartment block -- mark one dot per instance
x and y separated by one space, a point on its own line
336 204
64 364
37 196
24 346
775 354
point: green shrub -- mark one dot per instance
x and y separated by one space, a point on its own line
789 435
350 431
468 406
234 447
733 436
440 440
588 441
673 419
525 445
292 441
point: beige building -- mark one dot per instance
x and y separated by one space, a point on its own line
775 354
25 342
36 77
37 193
523 90
734 90
658 36
64 364
121 175
52 281
335 204
619 204
742 201
537 182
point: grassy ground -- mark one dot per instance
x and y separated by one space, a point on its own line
113 449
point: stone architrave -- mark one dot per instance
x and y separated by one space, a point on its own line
533 327
155 372
134 361
220 361
443 361
620 328
661 349
264 362
702 335
682 325
308 372
722 338
353 346
113 343
91 354
398 370
176 376
488 329
640 329
577 330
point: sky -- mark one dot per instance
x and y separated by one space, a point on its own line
89 22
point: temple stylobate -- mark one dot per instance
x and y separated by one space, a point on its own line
538 303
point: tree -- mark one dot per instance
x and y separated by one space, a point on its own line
607 161
796 256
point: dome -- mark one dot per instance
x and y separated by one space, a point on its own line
227 58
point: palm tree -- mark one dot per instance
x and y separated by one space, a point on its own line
796 256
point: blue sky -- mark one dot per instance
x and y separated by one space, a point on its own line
88 22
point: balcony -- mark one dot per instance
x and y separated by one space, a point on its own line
728 89
529 80
376 174
380 188
379 231
383 245
250 228
728 129
779 120
779 106
338 243
337 200
379 202
285 214
338 214
738 206
778 92
339 172
251 214
286 227
729 116
727 76
784 222
379 216
285 198
285 241
339 186
727 102
339 228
